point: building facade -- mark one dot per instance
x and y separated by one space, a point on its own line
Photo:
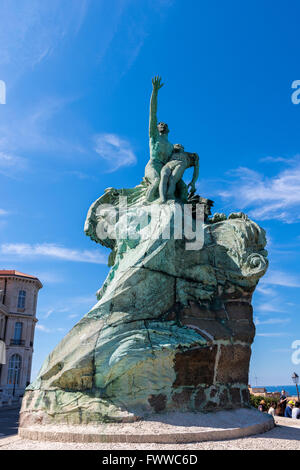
18 302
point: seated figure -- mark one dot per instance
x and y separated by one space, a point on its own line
173 171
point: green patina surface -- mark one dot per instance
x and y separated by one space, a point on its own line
168 321
123 351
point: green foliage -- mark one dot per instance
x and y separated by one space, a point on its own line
256 399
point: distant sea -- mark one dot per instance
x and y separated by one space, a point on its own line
290 389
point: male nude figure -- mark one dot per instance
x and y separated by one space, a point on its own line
160 148
173 171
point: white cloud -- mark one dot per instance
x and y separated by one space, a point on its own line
280 278
265 290
272 321
53 251
59 310
272 335
273 306
75 304
277 160
3 212
10 164
48 313
275 197
116 152
45 329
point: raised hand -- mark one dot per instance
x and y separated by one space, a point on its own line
156 82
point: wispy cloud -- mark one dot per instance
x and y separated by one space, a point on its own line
273 306
10 165
55 310
280 278
268 291
30 31
115 151
275 197
73 315
48 313
53 251
75 306
45 329
3 212
272 335
272 321
277 160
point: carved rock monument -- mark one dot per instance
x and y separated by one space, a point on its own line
173 325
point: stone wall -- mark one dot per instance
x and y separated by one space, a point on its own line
215 376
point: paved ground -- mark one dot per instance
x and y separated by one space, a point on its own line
285 436
9 422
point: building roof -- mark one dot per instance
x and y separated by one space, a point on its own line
13 272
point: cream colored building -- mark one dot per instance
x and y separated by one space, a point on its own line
18 301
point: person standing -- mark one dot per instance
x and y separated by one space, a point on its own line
281 405
283 395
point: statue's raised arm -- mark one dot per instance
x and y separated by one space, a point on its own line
156 83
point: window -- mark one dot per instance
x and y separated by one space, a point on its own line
14 367
18 331
21 299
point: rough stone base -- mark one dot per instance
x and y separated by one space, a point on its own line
168 428
57 407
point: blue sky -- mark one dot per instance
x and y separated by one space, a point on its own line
78 77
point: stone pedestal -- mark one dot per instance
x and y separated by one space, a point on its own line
171 331
164 428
